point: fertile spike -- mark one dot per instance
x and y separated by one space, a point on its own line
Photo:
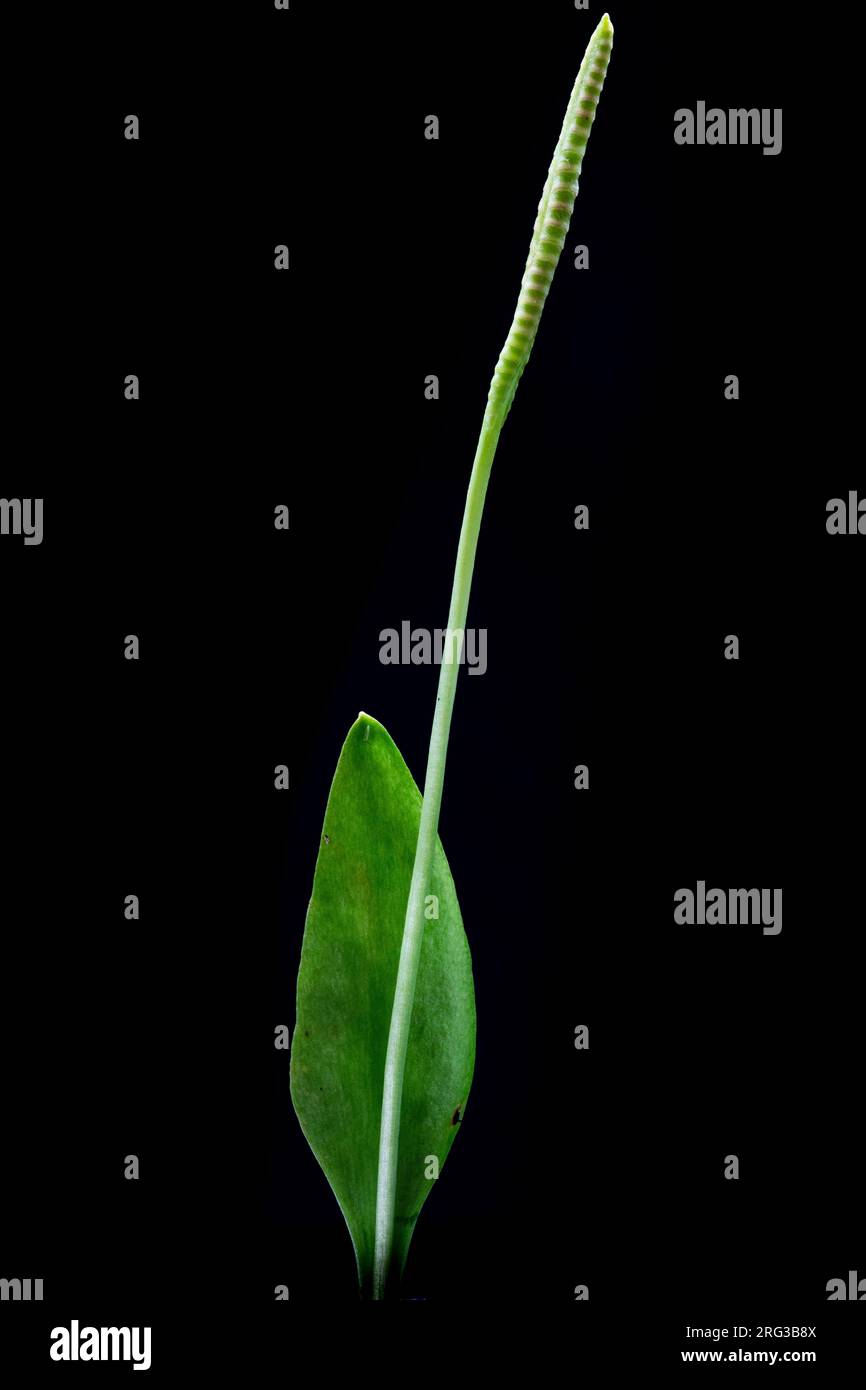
554 216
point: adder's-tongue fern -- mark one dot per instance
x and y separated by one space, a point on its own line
548 239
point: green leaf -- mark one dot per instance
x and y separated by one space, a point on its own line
348 972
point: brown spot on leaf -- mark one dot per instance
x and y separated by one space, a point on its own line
455 1118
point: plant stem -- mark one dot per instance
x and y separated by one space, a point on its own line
410 951
548 238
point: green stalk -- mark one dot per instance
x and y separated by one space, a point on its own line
548 238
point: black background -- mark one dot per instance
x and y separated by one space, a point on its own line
707 517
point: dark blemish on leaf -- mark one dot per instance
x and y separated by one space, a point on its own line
306 1032
327 839
455 1118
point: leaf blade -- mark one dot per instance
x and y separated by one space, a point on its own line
349 959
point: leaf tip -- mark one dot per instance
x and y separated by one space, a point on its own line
366 722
